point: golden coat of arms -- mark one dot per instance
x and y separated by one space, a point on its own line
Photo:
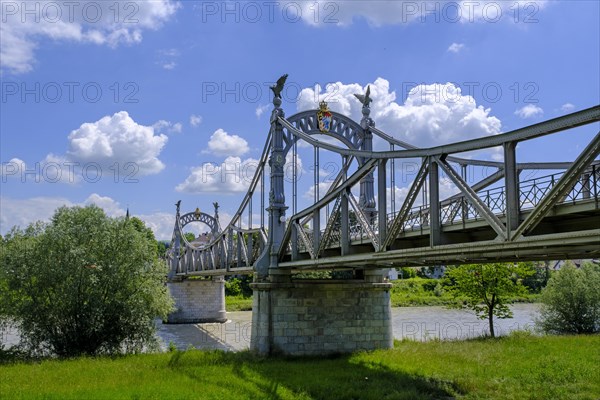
324 117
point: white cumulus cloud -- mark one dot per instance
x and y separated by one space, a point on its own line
14 168
223 144
529 111
231 176
167 127
456 47
431 114
26 24
118 139
567 107
195 120
260 110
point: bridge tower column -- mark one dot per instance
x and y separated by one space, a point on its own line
367 191
316 317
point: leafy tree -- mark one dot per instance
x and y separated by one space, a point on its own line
571 301
487 288
161 248
83 284
539 278
238 286
407 273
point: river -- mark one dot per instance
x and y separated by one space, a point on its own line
415 323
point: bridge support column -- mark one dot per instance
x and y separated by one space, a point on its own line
321 317
198 300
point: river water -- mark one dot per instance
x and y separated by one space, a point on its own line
415 323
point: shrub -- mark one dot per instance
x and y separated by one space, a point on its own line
238 286
571 301
83 284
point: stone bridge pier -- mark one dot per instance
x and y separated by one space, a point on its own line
197 300
309 317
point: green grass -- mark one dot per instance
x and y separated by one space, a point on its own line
515 367
238 303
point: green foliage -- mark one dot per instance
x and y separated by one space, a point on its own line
161 248
238 294
419 292
487 288
571 301
83 284
406 273
189 236
312 275
539 278
238 286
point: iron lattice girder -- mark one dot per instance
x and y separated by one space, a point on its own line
561 188
355 178
362 220
472 197
305 239
336 182
330 225
400 218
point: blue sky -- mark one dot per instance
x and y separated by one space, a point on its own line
147 92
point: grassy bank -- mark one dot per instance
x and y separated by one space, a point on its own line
431 292
514 367
405 293
238 303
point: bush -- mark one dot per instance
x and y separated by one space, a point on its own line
238 287
571 301
406 273
83 284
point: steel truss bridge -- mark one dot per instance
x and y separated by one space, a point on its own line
356 223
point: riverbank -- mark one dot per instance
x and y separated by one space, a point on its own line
413 292
513 367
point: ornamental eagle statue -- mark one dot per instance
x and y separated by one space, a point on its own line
366 98
278 87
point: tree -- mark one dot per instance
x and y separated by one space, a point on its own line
83 284
488 287
571 301
189 236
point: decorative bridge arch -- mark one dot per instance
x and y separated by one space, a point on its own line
500 217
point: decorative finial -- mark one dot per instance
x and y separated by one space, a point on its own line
216 205
197 213
277 88
177 205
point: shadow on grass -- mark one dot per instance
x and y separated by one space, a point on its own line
339 377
